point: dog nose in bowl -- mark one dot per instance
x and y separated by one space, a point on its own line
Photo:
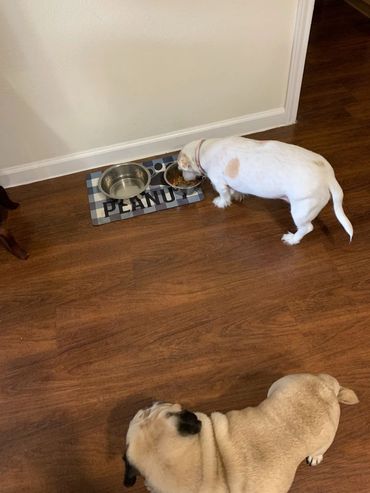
174 178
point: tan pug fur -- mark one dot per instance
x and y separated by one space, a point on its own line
253 450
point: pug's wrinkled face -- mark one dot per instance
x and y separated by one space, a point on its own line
154 433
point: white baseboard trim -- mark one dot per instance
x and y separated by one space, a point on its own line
138 149
169 142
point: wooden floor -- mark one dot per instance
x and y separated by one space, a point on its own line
196 305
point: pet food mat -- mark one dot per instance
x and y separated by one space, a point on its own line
157 197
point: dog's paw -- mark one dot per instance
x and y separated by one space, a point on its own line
220 202
290 239
237 196
314 460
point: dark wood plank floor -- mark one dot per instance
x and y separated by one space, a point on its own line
196 305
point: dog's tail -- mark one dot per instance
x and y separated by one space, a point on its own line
337 196
347 396
344 395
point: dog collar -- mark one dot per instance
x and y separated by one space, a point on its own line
197 157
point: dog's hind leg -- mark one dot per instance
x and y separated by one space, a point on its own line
236 196
303 213
314 460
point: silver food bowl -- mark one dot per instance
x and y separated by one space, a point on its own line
172 172
125 180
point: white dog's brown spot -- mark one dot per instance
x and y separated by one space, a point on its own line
232 168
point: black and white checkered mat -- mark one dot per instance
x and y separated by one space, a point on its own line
157 197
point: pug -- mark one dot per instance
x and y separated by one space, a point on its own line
253 450
269 169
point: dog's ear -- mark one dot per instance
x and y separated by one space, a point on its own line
188 423
183 161
130 473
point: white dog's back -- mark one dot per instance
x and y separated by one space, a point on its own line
269 169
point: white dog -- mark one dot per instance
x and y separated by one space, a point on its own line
268 169
254 450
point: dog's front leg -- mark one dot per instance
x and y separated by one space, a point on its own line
224 199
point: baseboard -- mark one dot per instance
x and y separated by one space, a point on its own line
138 149
161 144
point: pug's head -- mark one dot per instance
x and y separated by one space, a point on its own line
159 438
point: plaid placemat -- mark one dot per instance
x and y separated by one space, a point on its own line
157 197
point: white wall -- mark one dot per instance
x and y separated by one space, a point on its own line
76 75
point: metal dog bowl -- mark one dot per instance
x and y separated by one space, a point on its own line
172 172
124 180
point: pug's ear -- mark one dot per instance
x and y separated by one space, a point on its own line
130 473
188 423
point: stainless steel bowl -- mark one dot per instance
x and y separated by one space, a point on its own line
124 180
170 175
